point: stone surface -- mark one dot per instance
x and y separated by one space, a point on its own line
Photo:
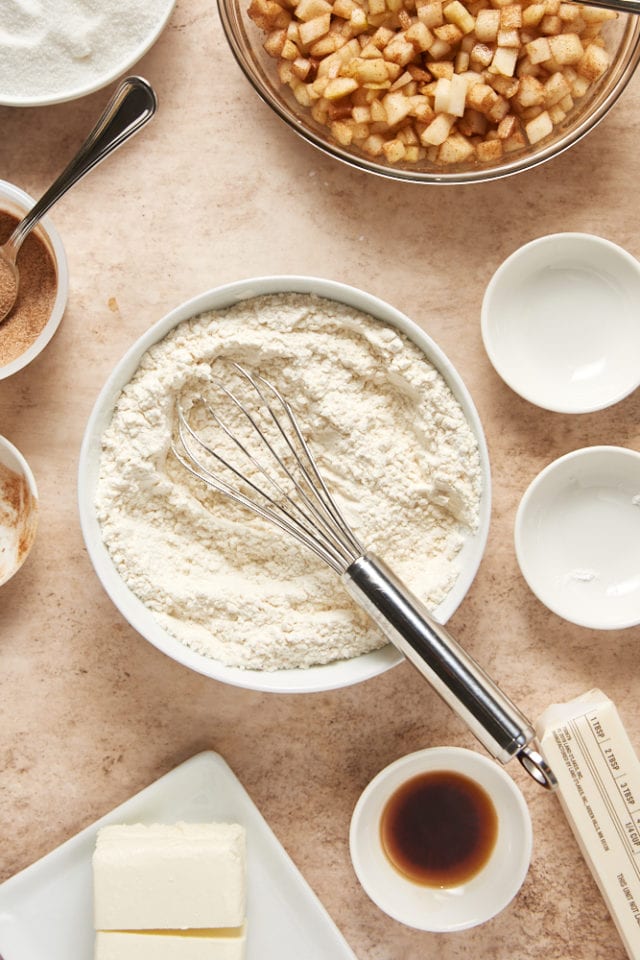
217 189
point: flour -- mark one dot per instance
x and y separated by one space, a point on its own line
389 437
52 48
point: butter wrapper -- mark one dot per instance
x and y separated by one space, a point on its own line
598 775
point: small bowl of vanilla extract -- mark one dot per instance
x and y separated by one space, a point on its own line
441 839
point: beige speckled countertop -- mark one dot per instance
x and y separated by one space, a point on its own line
217 189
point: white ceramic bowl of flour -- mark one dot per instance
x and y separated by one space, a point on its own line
66 49
317 677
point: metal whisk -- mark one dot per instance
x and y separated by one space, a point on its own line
256 454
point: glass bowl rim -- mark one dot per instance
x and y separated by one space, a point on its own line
629 47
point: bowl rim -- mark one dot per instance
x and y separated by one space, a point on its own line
21 201
389 779
19 462
481 175
571 240
318 677
104 79
582 453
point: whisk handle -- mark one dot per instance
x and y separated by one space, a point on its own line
496 722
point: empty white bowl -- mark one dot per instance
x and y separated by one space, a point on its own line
561 322
18 510
577 537
453 908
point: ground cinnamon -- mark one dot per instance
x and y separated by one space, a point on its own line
18 517
7 288
36 293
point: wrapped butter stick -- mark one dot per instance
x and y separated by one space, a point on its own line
599 788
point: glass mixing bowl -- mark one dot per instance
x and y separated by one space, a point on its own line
246 42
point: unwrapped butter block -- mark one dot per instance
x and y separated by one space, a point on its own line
598 775
169 877
171 945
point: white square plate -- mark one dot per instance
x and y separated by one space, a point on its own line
46 911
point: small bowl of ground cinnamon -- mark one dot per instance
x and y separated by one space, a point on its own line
42 294
18 510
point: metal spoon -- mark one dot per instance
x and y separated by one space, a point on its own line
620 6
132 104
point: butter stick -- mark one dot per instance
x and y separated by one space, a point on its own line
177 876
598 774
171 945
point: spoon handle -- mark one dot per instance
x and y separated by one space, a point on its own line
132 104
620 6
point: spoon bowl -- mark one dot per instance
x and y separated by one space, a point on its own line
9 280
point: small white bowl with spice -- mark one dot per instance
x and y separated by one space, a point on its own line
18 510
44 285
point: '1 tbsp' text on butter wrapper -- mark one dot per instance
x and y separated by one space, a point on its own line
598 774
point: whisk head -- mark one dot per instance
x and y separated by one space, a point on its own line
250 447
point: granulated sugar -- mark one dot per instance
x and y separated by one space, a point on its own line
389 437
51 48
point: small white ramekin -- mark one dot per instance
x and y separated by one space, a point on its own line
577 537
11 458
561 322
17 202
443 909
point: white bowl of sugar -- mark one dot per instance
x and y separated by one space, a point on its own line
60 51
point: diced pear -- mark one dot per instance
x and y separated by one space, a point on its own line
274 44
455 149
504 61
438 130
394 150
593 63
487 25
396 107
420 36
310 9
339 87
456 13
313 29
489 151
539 128
566 48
